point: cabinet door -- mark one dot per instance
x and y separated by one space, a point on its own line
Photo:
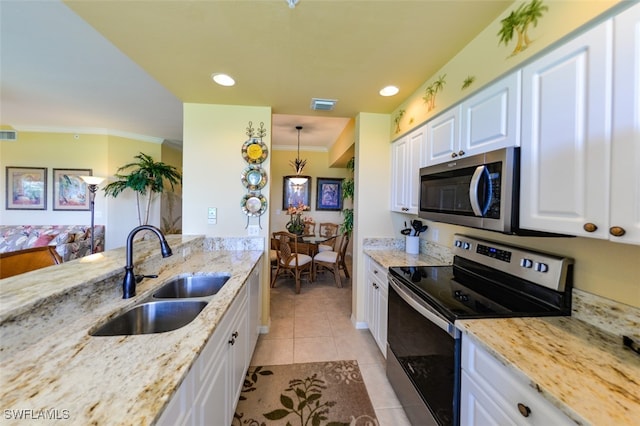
239 358
477 408
399 155
625 162
416 155
443 137
255 307
210 374
565 136
491 118
383 308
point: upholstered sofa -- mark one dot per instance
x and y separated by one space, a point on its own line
71 241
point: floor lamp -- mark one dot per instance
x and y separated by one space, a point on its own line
92 184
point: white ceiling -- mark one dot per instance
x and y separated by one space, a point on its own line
127 66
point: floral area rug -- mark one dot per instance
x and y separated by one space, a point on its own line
311 394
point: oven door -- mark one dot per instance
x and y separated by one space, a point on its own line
423 360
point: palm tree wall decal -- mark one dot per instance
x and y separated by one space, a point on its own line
520 20
432 90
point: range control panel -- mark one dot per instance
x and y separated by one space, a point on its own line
541 268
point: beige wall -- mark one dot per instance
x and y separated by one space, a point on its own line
122 211
99 152
213 164
486 60
604 268
372 217
317 166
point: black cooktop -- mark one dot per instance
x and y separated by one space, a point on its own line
466 290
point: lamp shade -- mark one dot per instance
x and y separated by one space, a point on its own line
298 180
92 180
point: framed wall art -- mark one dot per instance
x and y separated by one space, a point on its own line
70 192
294 195
329 194
26 188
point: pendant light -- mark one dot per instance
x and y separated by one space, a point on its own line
298 164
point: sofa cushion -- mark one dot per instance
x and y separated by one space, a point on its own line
43 240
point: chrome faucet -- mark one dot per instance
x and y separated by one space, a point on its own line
130 279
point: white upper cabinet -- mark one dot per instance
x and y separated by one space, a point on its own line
486 121
580 163
407 154
491 118
565 137
443 137
625 171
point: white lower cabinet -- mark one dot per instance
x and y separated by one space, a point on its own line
210 391
493 395
377 302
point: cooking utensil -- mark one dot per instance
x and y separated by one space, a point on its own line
406 231
421 230
416 224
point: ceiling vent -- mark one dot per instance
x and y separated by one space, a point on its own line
8 135
318 104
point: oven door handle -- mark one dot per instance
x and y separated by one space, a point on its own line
423 310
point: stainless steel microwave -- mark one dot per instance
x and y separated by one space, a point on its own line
481 191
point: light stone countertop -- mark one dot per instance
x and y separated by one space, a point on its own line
586 373
48 361
388 258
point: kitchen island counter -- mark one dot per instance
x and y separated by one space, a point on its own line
51 366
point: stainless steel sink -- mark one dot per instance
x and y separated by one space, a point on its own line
192 286
152 317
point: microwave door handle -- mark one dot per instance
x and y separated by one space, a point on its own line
474 190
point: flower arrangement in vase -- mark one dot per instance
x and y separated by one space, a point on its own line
296 224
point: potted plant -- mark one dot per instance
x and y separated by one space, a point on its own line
348 190
147 178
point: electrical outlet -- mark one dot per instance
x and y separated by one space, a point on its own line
435 234
253 230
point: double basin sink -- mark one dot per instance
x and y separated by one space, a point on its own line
172 306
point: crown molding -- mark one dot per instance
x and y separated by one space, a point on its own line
89 131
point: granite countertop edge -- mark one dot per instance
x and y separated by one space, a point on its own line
86 377
580 369
390 257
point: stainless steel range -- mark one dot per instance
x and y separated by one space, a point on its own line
487 280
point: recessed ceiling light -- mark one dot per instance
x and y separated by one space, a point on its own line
389 91
223 79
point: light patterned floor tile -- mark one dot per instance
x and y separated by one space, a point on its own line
273 352
314 349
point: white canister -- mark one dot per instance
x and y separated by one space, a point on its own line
412 245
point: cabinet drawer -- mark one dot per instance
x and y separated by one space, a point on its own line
508 390
378 272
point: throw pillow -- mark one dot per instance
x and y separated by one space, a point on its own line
43 240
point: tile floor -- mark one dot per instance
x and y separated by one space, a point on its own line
314 326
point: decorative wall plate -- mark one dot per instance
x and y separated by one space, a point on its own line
254 151
254 177
254 204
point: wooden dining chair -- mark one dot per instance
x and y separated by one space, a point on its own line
334 260
309 229
291 258
328 230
